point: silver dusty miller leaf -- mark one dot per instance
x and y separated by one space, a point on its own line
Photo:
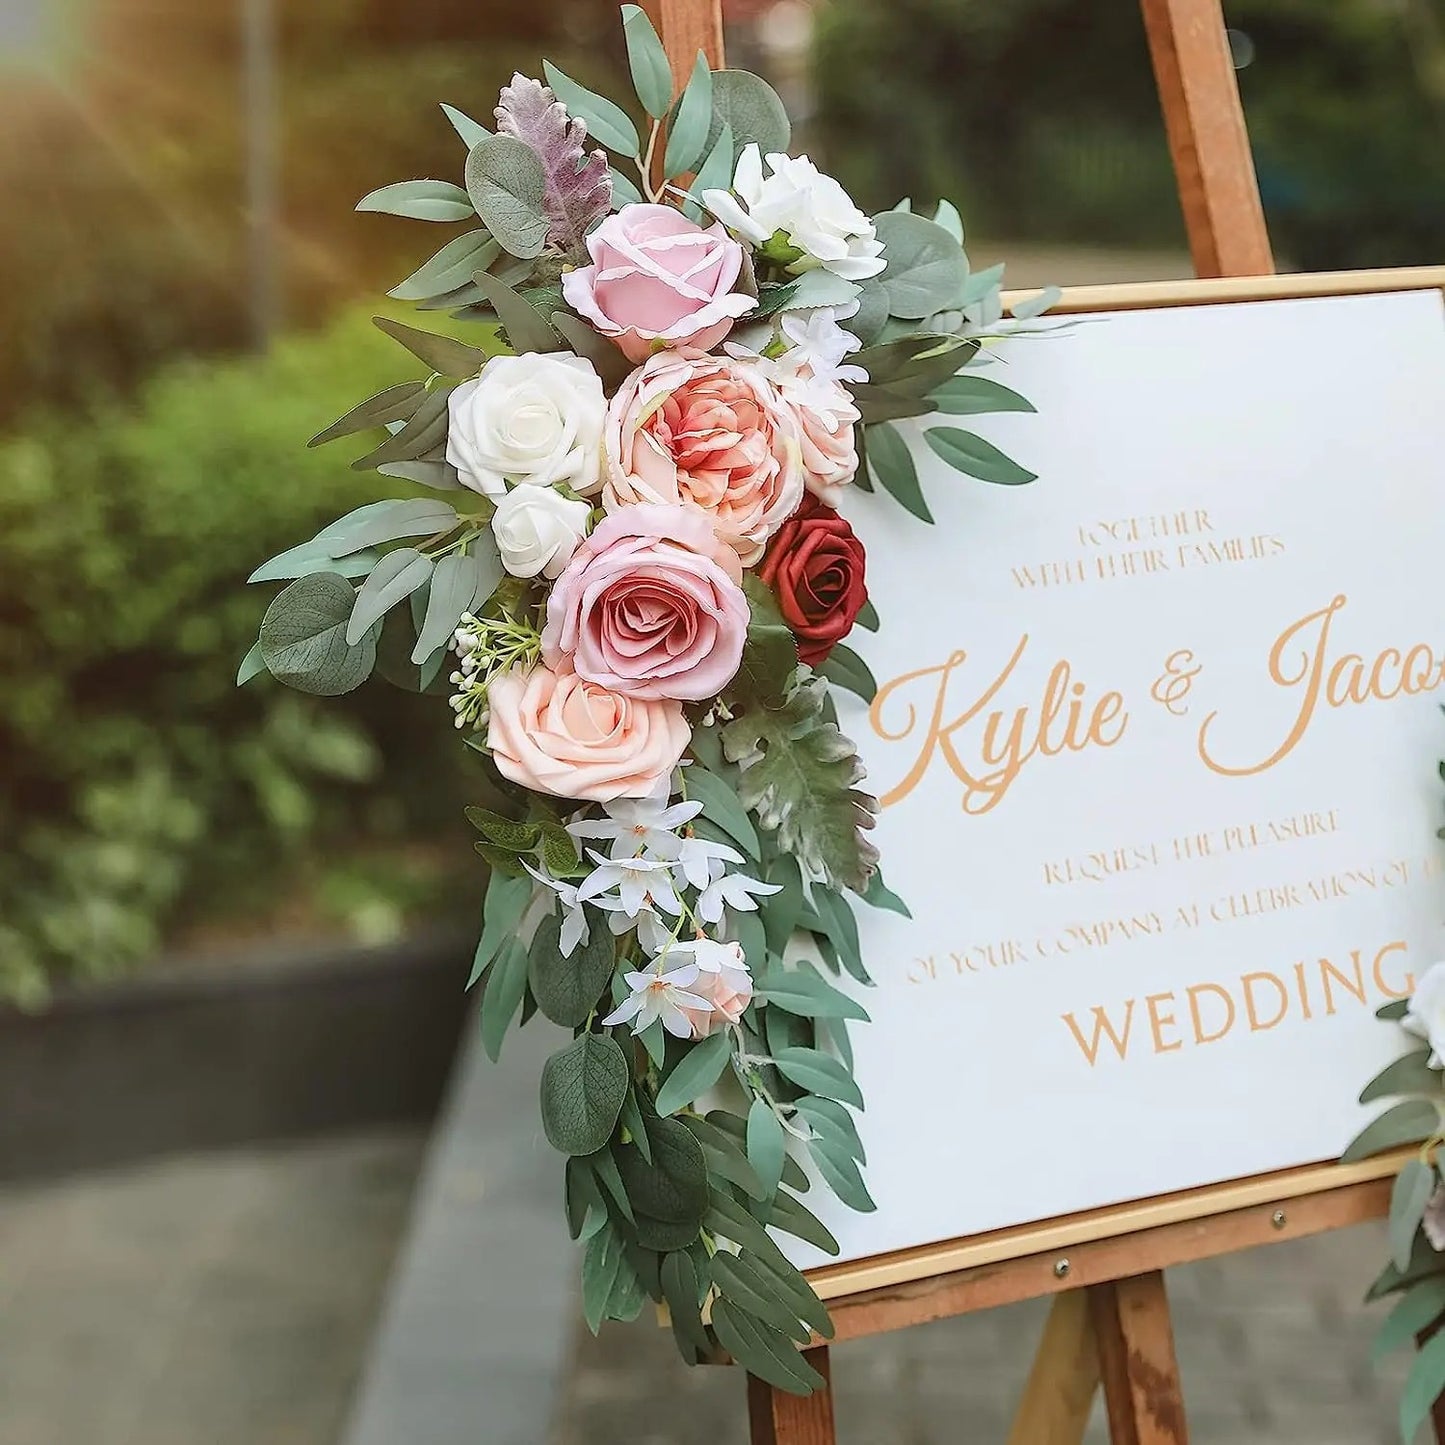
579 185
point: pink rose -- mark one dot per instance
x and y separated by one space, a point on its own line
558 733
650 606
711 433
657 279
830 451
723 982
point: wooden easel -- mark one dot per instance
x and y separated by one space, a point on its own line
1110 1320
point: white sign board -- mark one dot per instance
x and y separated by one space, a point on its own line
1156 739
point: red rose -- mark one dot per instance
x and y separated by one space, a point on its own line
814 565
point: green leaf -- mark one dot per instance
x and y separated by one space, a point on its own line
1416 1310
770 652
609 363
820 287
767 1145
631 1120
437 474
673 1186
1407 1123
881 896
303 637
395 577
512 834
603 1262
583 1087
1411 1074
720 803
647 60
927 269
559 853
687 135
1414 1185
892 464
793 1217
844 667
842 929
1423 1386
695 1073
461 582
716 171
441 353
506 984
803 992
975 457
1032 306
797 773
527 329
567 989
1396 1008
762 1350
748 107
450 269
420 201
679 1288
252 665
607 123
828 1116
624 189
506 902
781 910
947 216
724 1154
395 403
471 131
974 395
390 522
750 1289
840 1172
311 557
819 1073
423 432
508 187
605 1167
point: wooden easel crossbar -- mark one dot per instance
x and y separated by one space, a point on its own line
1109 1324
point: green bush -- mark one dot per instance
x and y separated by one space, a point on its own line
139 785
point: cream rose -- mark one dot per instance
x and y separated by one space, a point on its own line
534 419
826 420
724 983
711 433
557 733
538 530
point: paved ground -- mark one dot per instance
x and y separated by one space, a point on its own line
213 1300
1273 1347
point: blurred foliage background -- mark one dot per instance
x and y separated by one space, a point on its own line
151 452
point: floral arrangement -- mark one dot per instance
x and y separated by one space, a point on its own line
623 560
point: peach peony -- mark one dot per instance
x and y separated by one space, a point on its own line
650 606
711 433
558 733
830 449
723 982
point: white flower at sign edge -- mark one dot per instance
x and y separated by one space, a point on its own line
660 993
534 419
538 529
731 890
1425 1013
635 826
811 209
574 929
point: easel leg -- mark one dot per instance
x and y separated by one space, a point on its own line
1059 1394
777 1418
1137 1363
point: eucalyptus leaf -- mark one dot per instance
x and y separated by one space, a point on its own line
1033 306
471 131
440 476
390 521
1414 1185
395 577
892 465
845 668
451 267
312 557
1407 1123
680 1289
424 431
506 902
975 457
748 108
947 216
749 1288
527 328
716 171
820 287
927 269
567 989
1423 1386
1417 1310
506 984
673 1186
508 187
803 992
694 1073
583 1087
624 189
252 665
763 1351
606 123
303 637
793 1217
766 1146
462 582
1411 1074
441 353
687 135
828 1116
420 201
647 60
395 403
608 362
974 395
819 1073
720 803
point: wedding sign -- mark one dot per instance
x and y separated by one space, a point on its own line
1152 741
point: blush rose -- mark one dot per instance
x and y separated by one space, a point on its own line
658 279
558 733
650 606
711 433
815 567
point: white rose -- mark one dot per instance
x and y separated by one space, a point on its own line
1425 1013
533 419
811 209
538 530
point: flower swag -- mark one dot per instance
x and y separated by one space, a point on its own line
621 556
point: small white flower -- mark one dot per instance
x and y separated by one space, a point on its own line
638 883
734 891
710 957
574 917
534 419
811 209
659 994
538 529
699 861
1425 1013
818 344
639 825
